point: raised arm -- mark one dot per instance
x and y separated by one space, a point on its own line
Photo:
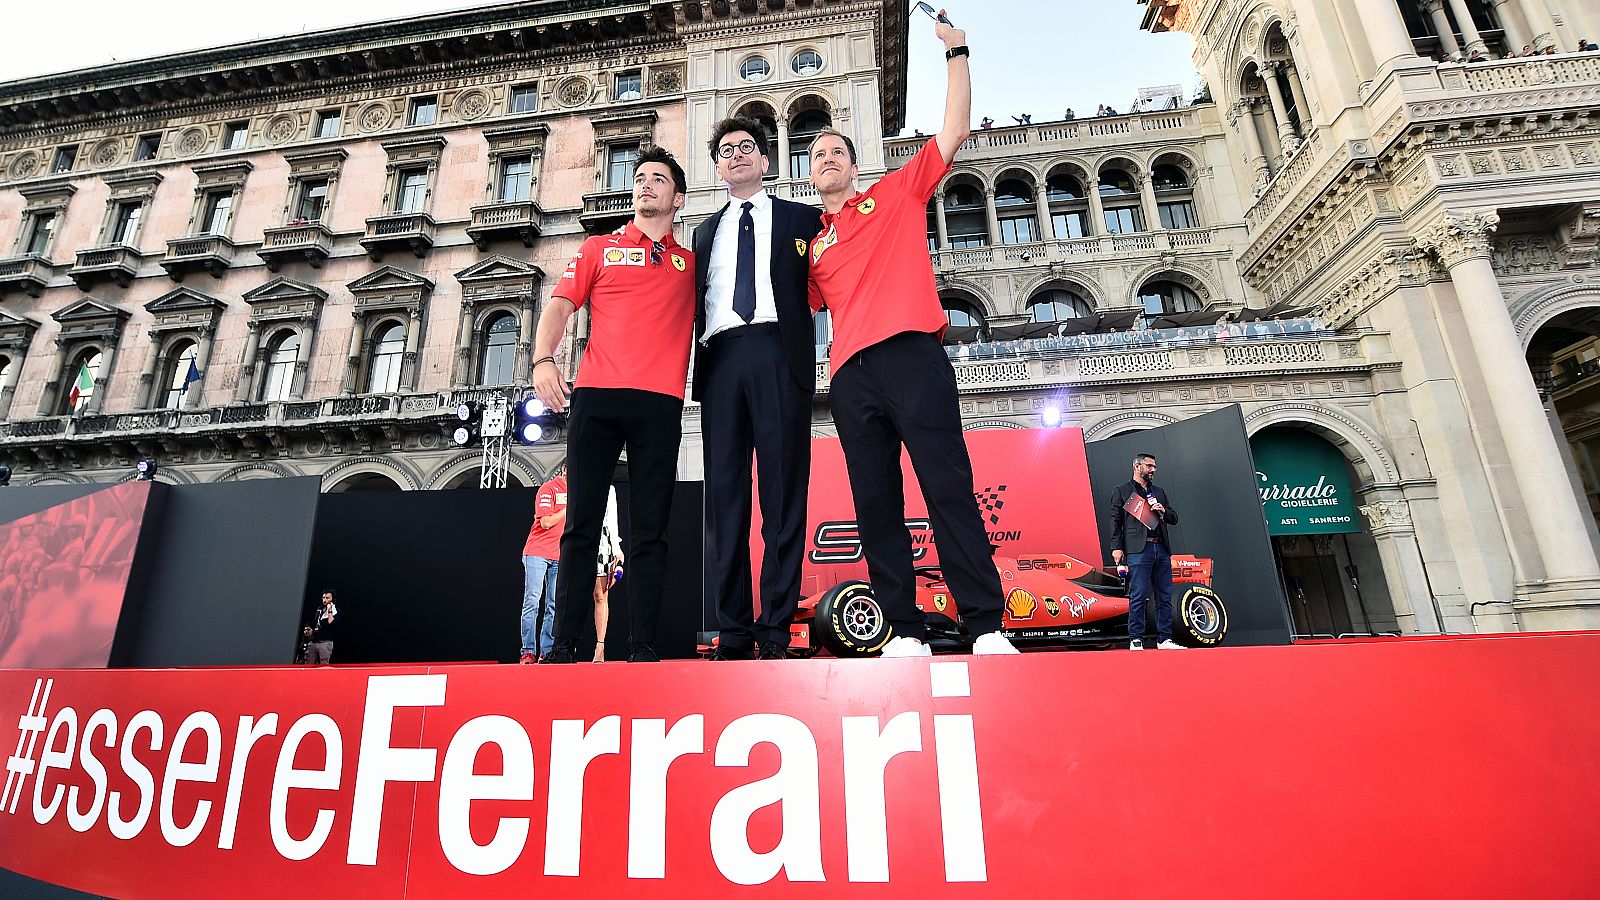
958 93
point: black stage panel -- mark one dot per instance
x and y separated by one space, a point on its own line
21 887
1208 473
18 501
224 582
436 576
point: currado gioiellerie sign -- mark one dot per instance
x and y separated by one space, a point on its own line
1304 484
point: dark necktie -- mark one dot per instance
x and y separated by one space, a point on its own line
744 279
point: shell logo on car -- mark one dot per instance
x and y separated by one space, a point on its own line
1021 604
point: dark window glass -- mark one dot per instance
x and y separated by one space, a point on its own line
499 351
313 200
1179 215
1114 182
619 166
413 192
40 230
806 62
66 157
1067 225
125 225
524 98
328 122
630 86
233 137
219 209
424 111
177 379
279 378
147 147
1057 305
1161 297
516 178
1126 220
388 346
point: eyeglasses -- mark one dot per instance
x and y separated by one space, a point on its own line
657 251
746 146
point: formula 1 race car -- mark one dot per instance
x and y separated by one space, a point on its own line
1049 599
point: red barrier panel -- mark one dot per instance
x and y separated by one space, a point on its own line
1461 768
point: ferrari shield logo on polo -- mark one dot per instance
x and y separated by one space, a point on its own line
636 256
679 263
615 256
867 206
800 246
821 244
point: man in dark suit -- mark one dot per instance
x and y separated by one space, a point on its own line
755 377
1140 514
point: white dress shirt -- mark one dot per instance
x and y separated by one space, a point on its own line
725 266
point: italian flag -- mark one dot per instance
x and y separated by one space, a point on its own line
83 385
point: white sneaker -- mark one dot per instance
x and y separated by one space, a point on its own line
992 644
1170 645
1136 645
905 646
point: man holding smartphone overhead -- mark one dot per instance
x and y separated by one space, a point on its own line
893 386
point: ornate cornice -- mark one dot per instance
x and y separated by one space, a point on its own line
1459 237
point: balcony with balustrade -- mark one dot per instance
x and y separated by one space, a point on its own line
211 253
298 241
30 273
606 211
398 231
116 262
503 220
1189 123
1111 246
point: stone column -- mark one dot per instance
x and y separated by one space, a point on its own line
249 365
1441 24
992 216
1385 30
147 375
1280 110
352 362
1097 209
1516 35
1404 570
1469 29
463 373
526 323
1041 208
408 362
783 148
939 221
302 360
8 385
52 389
1461 242
1147 200
202 361
108 359
1245 121
1273 147
1298 91
1542 25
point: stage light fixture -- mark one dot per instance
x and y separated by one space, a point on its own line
466 412
5 475
1052 416
536 423
533 407
531 433
146 469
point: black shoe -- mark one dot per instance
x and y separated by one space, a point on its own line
772 650
559 654
723 654
643 653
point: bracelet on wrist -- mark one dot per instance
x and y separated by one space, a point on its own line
961 50
542 360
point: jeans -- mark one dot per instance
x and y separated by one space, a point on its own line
1150 572
538 601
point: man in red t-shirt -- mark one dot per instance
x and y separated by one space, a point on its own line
893 385
639 286
540 556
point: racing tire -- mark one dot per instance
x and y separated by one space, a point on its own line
849 621
1200 619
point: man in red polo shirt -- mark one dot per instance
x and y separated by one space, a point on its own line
893 385
639 284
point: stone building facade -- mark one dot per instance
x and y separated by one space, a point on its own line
347 233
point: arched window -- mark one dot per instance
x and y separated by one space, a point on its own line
802 131
388 347
1174 198
278 381
964 318
1013 203
180 360
1057 305
78 382
1120 199
965 217
496 365
1069 207
1163 297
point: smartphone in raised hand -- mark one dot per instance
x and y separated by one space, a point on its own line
928 8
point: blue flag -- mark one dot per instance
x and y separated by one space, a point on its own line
192 377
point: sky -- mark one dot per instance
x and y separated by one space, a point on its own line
1028 56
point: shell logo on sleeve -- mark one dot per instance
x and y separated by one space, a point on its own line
821 244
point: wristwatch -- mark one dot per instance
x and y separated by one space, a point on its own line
954 52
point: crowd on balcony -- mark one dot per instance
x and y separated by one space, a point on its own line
1022 341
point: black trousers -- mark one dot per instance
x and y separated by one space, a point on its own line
750 401
602 422
901 392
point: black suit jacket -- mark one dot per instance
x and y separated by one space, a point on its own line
793 227
1127 533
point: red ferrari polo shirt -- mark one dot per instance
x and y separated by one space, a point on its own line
641 318
869 264
551 499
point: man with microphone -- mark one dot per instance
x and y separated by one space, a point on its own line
1140 514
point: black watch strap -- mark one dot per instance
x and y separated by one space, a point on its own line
954 52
